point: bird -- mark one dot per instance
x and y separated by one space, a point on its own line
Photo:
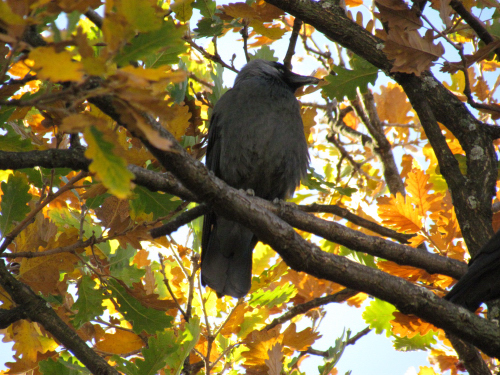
481 282
256 142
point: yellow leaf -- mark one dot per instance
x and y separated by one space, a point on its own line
110 168
308 114
183 9
268 30
56 66
177 121
27 340
120 342
393 105
424 370
79 122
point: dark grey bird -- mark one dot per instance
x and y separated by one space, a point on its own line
481 283
255 142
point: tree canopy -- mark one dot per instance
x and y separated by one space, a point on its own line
104 108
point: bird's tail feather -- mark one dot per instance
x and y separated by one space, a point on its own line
227 263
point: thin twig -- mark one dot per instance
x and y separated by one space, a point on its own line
287 61
305 307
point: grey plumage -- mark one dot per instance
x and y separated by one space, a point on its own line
481 283
255 141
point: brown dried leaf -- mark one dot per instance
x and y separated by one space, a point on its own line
397 14
411 52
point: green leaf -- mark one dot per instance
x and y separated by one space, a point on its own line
63 217
183 9
62 367
110 168
357 256
146 201
334 353
37 176
218 90
15 198
315 181
206 7
265 53
141 318
121 268
271 298
187 341
347 81
378 315
166 42
12 141
208 27
89 303
417 342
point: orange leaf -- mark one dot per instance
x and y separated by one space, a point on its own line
410 325
399 213
299 340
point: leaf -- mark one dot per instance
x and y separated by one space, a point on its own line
12 141
61 366
274 359
166 40
299 341
417 342
399 213
393 105
183 9
208 27
346 82
410 325
206 7
187 341
110 168
148 202
121 268
398 14
411 52
89 303
268 30
379 315
141 318
15 198
418 188
270 298
264 53
55 66
120 342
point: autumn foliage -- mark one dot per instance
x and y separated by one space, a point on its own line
104 108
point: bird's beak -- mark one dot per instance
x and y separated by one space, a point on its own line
298 80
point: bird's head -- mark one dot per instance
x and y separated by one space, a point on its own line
274 71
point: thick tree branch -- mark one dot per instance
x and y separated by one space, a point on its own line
296 216
365 109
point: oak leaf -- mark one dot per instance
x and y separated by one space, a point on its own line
56 66
120 342
411 52
398 213
398 14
